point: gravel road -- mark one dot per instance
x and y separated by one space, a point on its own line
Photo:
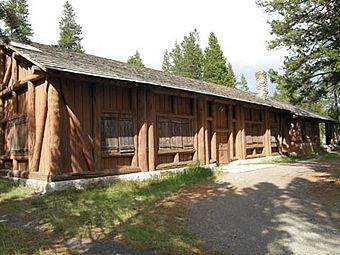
279 210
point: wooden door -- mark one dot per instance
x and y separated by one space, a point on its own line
222 148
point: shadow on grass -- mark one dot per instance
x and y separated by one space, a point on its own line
150 216
10 191
127 211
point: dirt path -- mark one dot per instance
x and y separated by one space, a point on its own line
288 209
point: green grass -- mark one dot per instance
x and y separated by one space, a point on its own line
16 240
10 190
134 211
298 158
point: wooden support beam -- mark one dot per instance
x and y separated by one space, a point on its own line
30 122
243 133
151 108
195 130
2 130
14 76
97 96
231 132
15 165
200 126
214 135
36 70
143 129
240 133
8 71
14 102
267 134
134 109
206 135
40 130
53 106
2 65
21 84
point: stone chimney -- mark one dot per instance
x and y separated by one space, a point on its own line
261 84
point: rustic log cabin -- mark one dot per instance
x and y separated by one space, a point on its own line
67 115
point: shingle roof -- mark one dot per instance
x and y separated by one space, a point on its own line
55 58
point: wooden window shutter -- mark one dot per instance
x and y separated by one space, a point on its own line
164 134
176 138
187 134
109 133
16 130
126 142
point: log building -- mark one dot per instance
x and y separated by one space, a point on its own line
67 115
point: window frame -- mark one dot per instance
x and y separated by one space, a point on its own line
118 118
184 135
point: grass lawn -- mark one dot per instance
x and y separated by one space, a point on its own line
137 213
298 158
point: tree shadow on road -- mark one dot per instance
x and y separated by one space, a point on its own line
267 219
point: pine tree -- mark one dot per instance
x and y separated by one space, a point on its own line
309 30
135 59
186 58
215 64
15 16
192 56
177 59
243 84
70 31
166 65
231 78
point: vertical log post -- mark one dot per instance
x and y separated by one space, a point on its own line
134 162
195 130
213 137
53 106
231 131
31 122
14 77
8 72
2 68
152 129
200 125
40 130
2 142
206 135
97 97
238 131
143 130
243 134
267 134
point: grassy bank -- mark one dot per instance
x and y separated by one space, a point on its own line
133 211
299 158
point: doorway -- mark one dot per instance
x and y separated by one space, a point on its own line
223 156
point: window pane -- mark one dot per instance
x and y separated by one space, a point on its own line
176 139
109 133
16 137
187 134
164 134
126 135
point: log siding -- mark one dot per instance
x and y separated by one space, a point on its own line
58 125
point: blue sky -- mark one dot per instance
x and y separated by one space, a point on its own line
115 29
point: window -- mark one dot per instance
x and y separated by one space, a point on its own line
117 133
174 133
16 135
254 134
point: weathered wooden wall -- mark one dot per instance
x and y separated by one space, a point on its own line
54 125
16 73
